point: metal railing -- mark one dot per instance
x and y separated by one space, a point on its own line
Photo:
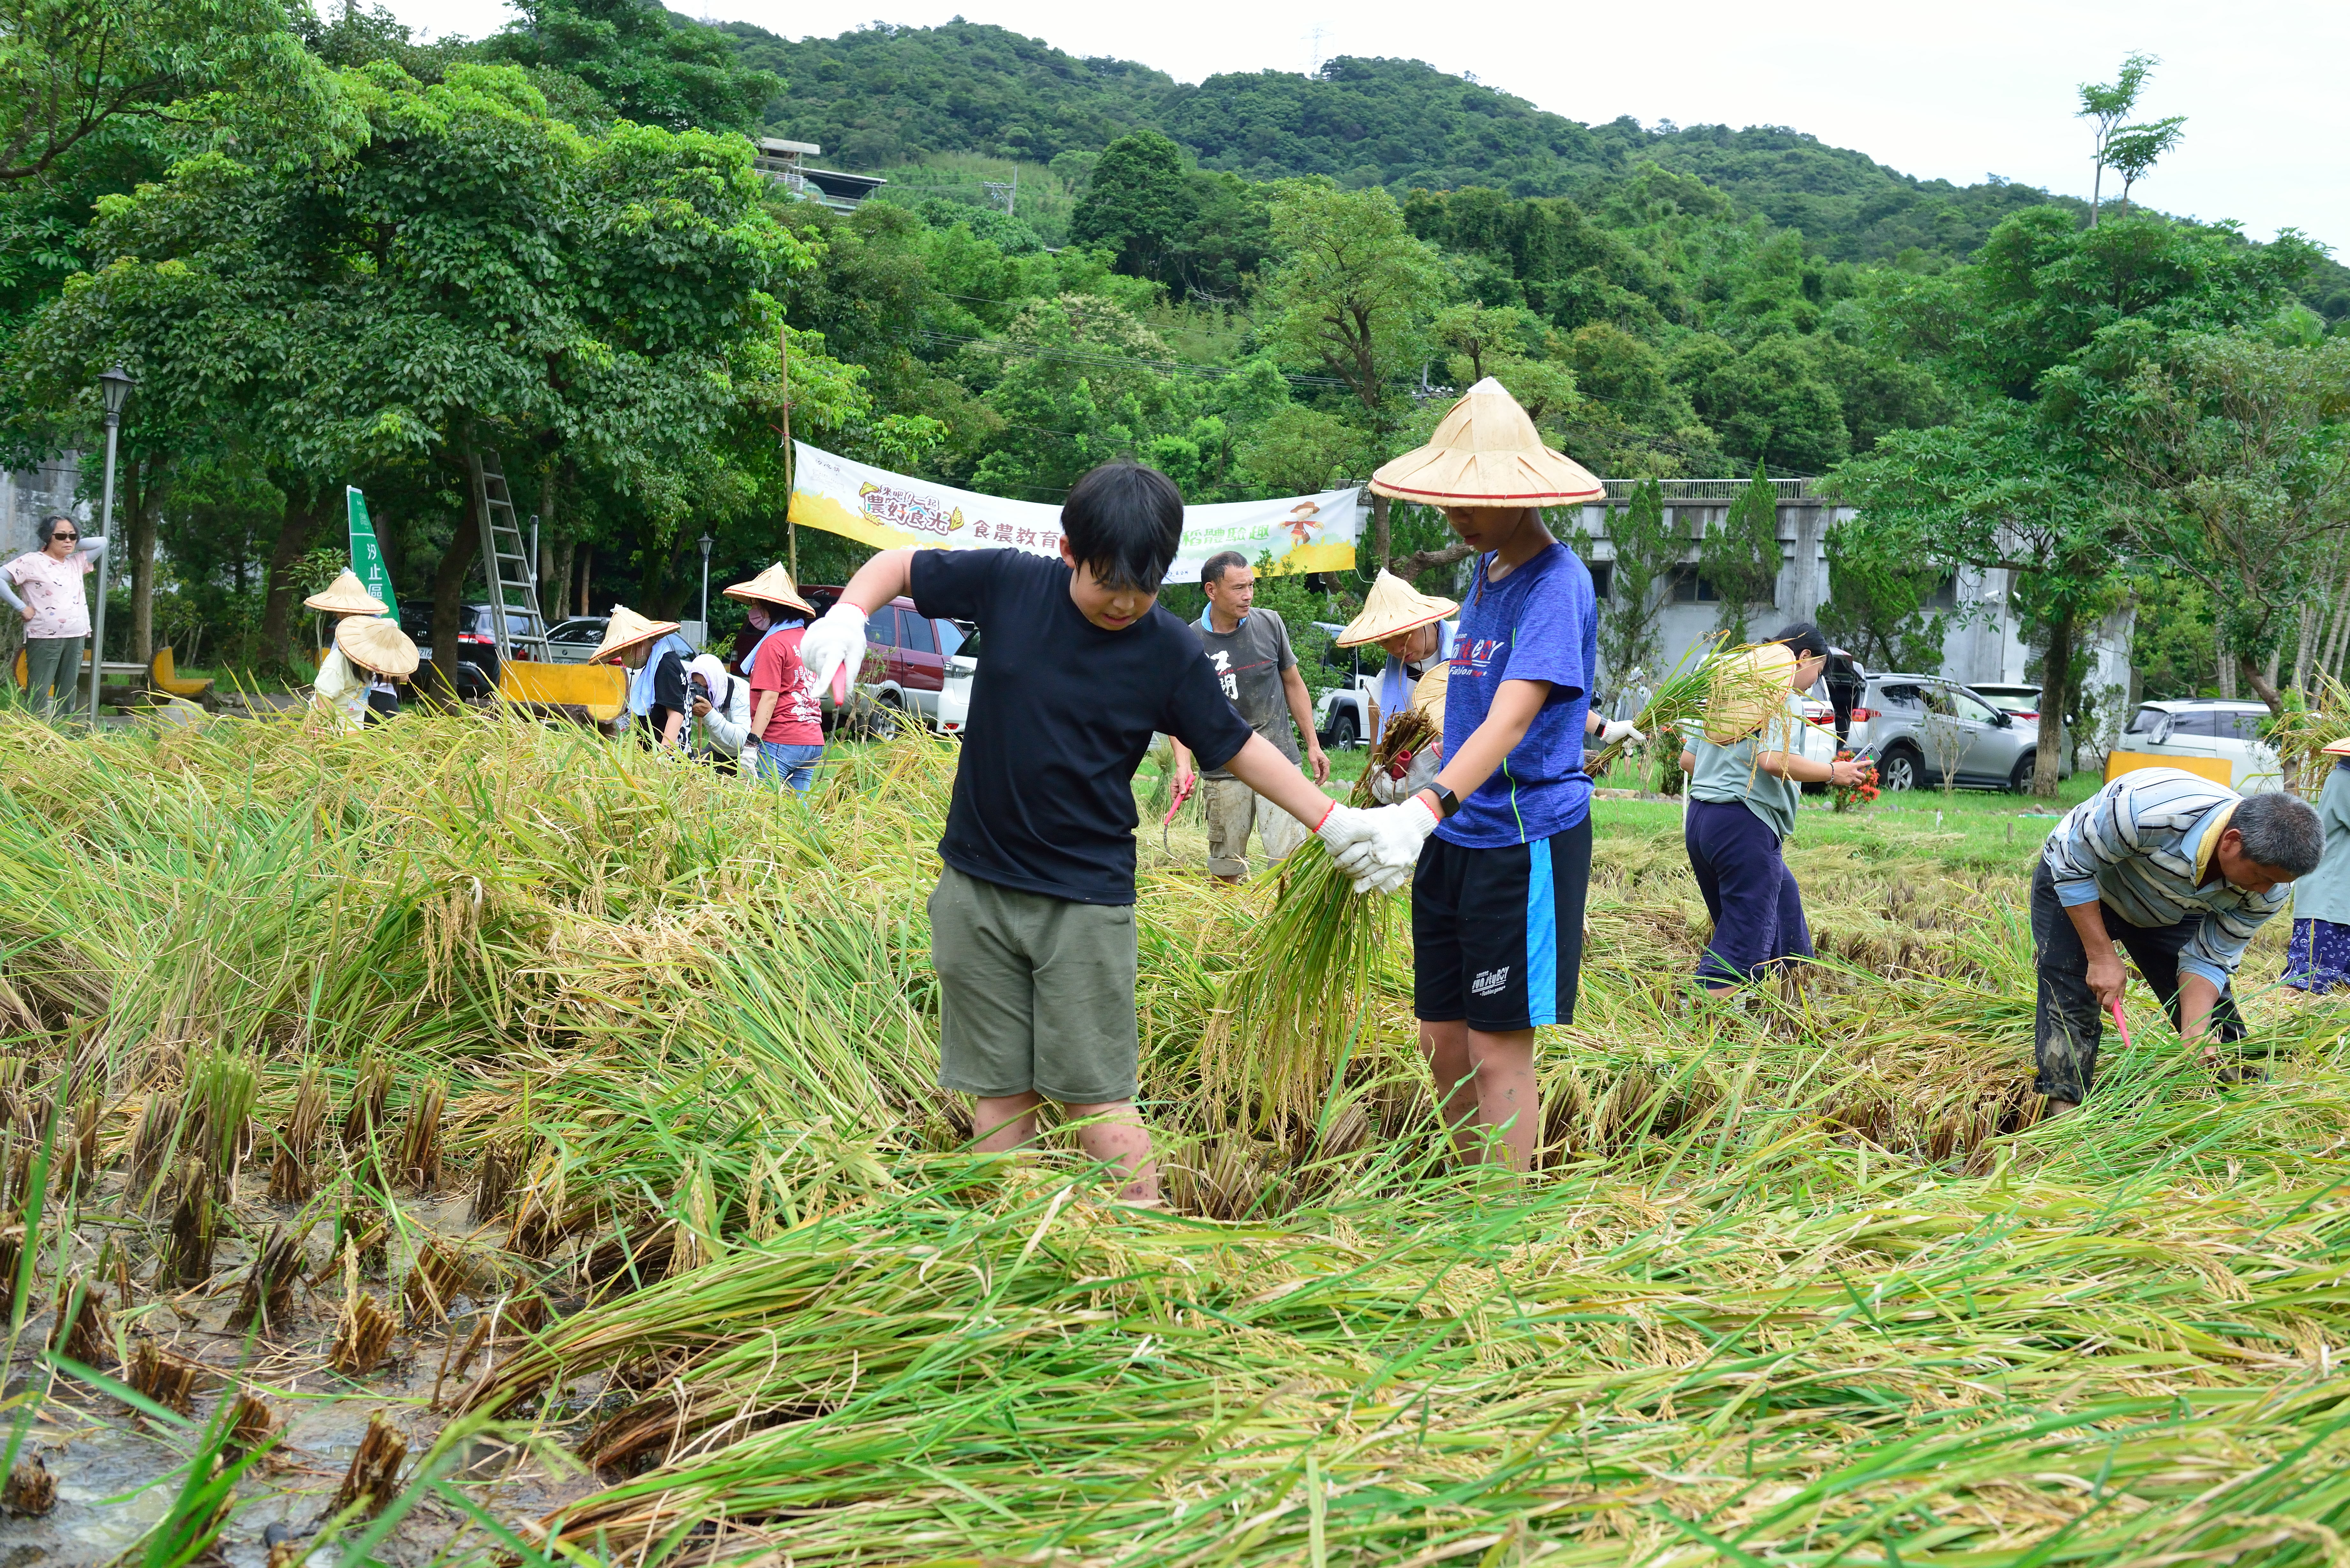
1711 492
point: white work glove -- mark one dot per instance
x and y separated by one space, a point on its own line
1346 829
1385 845
835 643
1615 730
1421 772
1343 827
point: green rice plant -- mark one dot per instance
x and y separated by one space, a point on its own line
1295 1003
1675 701
1805 1281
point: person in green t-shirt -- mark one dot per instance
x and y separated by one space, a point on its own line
1742 808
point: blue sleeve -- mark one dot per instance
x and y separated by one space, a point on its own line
956 585
1554 624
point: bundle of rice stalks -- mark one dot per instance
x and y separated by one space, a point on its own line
152 1145
1675 701
2306 727
1298 999
502 1163
170 1380
80 1332
290 1178
373 1478
195 1222
438 1276
266 1301
364 1127
419 1137
216 1110
363 1335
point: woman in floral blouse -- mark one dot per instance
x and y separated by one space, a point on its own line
44 585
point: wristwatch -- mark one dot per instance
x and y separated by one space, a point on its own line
1447 803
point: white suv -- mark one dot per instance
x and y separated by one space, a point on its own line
2213 733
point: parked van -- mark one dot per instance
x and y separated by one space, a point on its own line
2219 738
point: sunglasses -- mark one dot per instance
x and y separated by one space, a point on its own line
65 539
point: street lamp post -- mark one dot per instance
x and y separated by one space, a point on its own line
116 385
706 543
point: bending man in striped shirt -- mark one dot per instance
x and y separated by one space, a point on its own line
2181 872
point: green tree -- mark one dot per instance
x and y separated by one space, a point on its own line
1646 551
1350 297
2231 457
478 275
70 69
2135 150
1741 555
2001 490
1138 205
1878 599
639 62
1475 335
2021 482
1077 388
2105 104
1769 402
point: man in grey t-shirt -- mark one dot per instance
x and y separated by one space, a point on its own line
1251 653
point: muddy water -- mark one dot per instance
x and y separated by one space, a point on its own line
118 1472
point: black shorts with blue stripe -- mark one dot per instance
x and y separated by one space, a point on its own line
1497 933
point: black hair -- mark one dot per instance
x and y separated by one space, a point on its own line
1807 639
2280 832
49 524
1124 522
1212 570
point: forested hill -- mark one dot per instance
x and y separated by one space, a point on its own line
885 96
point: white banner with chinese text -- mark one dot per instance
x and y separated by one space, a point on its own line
876 507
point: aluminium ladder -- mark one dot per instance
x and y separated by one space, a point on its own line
513 574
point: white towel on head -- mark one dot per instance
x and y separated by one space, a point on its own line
729 719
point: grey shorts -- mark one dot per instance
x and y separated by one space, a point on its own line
1035 993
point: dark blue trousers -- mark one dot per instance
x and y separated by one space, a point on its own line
1758 914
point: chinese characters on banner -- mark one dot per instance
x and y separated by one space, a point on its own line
367 552
874 507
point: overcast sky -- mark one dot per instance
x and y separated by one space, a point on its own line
1953 92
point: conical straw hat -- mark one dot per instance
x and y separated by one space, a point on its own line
773 586
2340 748
1746 687
1487 453
626 629
346 595
1427 693
1393 606
376 644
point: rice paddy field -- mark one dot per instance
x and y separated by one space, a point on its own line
471 1142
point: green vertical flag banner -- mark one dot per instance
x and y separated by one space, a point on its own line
366 555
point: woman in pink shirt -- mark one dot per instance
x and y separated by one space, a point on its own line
44 585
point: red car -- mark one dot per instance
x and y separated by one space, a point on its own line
906 657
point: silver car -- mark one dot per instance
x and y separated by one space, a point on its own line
575 641
1918 728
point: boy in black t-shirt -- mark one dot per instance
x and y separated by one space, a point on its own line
1032 924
